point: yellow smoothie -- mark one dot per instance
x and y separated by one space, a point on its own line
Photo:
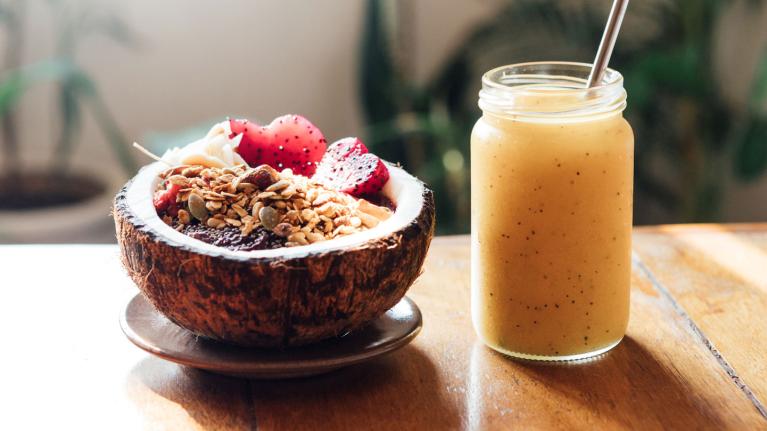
551 229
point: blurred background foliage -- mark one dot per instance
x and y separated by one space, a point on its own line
695 142
76 90
689 138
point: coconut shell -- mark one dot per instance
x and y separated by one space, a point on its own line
275 301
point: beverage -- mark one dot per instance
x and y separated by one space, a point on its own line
552 171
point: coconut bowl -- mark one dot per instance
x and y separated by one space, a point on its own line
274 298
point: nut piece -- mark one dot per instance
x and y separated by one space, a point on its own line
368 220
381 213
184 217
283 229
215 223
315 237
298 237
261 177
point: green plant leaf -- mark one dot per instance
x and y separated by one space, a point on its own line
71 120
18 81
113 134
379 81
675 106
759 88
750 160
107 123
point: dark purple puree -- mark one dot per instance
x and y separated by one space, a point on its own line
381 201
231 238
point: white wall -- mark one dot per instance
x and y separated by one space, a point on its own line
199 60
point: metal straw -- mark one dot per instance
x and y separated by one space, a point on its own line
609 37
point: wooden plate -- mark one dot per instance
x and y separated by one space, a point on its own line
151 331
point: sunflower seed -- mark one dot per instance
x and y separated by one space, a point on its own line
213 205
214 222
314 237
279 185
265 195
233 222
191 171
179 180
239 210
298 237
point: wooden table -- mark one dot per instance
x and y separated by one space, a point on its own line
695 356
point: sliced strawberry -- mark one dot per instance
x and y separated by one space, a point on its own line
165 200
348 167
290 141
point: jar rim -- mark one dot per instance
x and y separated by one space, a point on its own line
611 77
558 88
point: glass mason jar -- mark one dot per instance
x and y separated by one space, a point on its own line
551 212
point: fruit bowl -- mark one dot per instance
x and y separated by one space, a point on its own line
278 297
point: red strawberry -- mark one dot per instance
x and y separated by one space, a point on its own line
165 200
348 167
290 141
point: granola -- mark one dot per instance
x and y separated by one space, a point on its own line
290 206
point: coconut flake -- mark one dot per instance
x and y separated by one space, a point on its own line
215 150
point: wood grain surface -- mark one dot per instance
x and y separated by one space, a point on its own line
693 357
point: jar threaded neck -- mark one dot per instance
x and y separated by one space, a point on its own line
550 91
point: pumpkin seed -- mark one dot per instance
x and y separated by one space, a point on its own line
269 217
197 207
